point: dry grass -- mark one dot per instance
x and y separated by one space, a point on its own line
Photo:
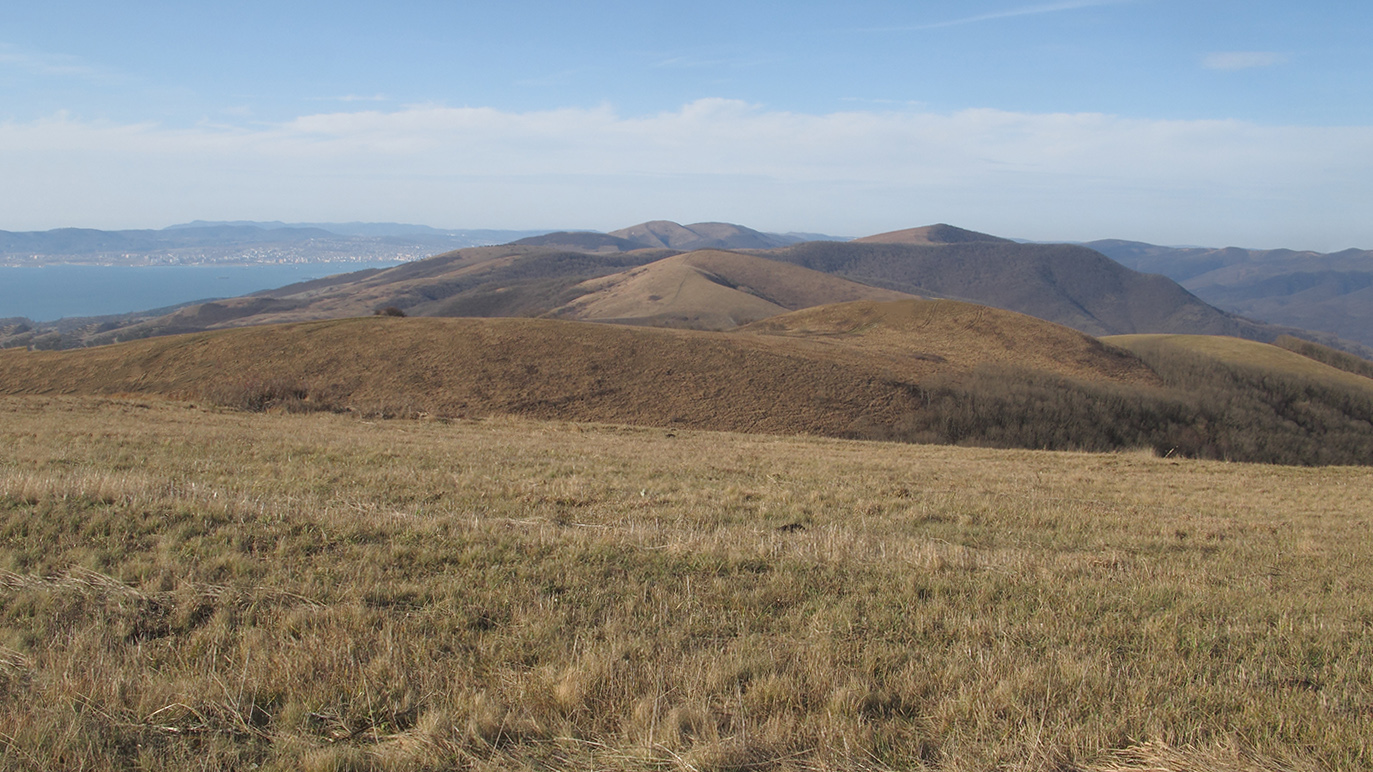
777 383
191 589
712 290
1249 353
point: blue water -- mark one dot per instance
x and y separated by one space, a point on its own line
46 293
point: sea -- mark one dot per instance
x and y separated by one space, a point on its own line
51 292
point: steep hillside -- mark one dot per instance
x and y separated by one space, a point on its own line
1070 285
1062 283
711 290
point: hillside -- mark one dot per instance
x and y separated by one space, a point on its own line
1063 283
769 380
914 370
710 290
190 588
1327 292
1245 353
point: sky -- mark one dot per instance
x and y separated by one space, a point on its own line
1205 122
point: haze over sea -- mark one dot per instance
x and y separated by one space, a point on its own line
47 293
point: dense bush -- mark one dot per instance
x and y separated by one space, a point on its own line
1207 410
256 395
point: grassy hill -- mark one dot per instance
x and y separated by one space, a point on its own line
192 588
763 381
711 290
917 371
1244 353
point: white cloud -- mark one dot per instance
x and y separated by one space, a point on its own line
1242 60
1019 174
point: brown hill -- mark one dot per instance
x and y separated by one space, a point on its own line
1063 283
711 290
960 337
1246 353
938 233
926 371
816 373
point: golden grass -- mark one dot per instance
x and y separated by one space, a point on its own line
1236 351
763 381
191 589
712 290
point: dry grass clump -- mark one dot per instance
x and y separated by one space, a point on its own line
190 589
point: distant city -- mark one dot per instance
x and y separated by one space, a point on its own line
243 243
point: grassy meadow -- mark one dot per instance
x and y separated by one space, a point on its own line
189 588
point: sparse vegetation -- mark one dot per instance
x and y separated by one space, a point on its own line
388 311
186 589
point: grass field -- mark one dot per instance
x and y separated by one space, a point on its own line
199 589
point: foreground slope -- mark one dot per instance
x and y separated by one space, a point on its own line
189 589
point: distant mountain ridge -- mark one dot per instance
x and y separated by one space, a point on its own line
658 273
665 234
1314 291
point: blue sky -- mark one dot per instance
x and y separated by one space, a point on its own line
1207 122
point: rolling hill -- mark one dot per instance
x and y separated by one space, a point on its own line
788 377
710 290
910 370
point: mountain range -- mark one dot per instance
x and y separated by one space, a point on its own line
1330 292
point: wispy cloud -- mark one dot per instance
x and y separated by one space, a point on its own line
351 98
1009 13
1242 60
864 170
52 65
698 62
